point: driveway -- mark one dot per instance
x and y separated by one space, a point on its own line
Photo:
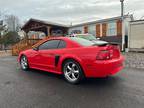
37 89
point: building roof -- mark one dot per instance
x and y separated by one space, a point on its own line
137 22
44 22
103 20
67 26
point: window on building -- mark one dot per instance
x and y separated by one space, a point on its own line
112 29
92 30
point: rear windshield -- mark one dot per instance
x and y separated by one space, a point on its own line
86 42
88 37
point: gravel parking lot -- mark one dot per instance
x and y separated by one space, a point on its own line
134 60
38 89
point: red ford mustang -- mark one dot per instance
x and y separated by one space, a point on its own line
75 58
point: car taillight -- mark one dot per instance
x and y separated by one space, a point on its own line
104 55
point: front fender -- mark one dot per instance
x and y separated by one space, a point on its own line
19 56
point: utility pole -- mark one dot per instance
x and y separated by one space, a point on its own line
123 25
122 8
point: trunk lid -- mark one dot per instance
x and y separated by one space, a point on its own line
112 48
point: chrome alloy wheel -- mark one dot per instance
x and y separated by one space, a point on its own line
71 71
24 63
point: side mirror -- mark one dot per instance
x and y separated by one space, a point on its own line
36 49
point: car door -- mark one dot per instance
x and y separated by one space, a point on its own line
47 54
34 58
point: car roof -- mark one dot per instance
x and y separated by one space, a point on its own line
59 37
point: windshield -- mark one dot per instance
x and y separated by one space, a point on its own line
86 42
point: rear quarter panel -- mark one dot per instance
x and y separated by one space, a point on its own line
83 55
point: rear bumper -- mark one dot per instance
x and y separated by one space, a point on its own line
104 68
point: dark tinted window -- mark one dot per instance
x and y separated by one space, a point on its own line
62 44
51 44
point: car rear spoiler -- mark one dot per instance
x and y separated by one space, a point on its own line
109 43
114 43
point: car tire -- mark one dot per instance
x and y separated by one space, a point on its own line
72 71
24 63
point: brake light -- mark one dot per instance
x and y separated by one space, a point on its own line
104 55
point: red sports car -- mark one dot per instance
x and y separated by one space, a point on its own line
75 58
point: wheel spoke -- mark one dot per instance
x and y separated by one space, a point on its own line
22 61
25 60
76 71
25 64
69 67
73 76
68 73
73 65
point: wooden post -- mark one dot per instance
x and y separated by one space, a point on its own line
104 29
48 31
25 35
98 30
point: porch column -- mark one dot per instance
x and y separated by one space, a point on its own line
48 31
26 34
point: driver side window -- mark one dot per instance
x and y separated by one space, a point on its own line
51 44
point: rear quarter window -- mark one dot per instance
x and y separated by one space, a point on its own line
62 44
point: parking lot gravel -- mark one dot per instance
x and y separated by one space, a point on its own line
38 89
134 60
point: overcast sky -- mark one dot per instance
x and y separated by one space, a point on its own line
66 11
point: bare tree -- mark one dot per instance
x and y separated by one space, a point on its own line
12 23
1 23
9 25
2 28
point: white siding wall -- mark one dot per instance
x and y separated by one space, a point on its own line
92 29
111 30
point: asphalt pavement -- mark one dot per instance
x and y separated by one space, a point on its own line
38 89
